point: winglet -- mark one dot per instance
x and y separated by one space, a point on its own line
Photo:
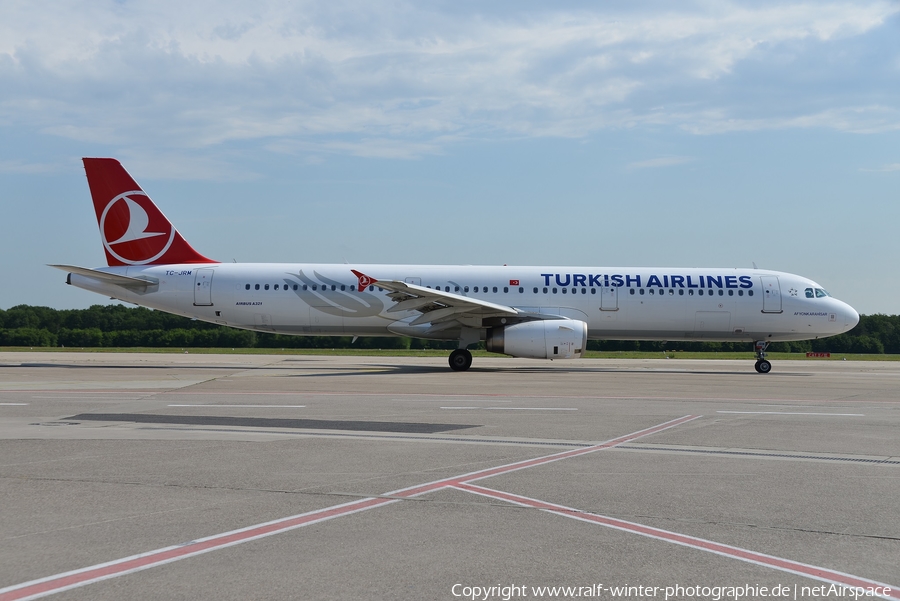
364 280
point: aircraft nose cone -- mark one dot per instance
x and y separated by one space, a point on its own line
852 317
846 317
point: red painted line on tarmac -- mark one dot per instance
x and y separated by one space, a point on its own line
761 559
69 580
61 582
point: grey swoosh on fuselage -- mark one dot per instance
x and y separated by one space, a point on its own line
335 302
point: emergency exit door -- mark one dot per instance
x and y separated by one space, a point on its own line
609 298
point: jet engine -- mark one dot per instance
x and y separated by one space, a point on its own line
542 339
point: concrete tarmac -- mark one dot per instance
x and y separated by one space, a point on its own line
404 480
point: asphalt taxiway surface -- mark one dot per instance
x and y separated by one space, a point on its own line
295 477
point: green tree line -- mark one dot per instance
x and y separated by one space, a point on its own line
121 326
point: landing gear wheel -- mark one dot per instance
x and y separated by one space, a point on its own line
763 366
460 360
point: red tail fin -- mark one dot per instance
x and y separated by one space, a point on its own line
133 230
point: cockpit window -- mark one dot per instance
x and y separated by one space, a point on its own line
821 293
809 293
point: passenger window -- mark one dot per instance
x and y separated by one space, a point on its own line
352 288
564 291
809 293
554 291
545 291
731 293
593 291
333 287
749 293
466 289
521 290
651 290
267 286
642 290
700 292
247 287
456 289
305 287
505 289
740 293
276 286
690 293
671 292
631 291
721 293
495 289
257 287
343 287
680 292
315 287
372 288
535 289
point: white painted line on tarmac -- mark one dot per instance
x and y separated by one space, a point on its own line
243 406
125 391
13 404
797 413
519 408
81 398
535 408
449 398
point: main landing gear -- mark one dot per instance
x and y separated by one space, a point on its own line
762 366
460 359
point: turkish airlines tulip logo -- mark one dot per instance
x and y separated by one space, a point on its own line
133 229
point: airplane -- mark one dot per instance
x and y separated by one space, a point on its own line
522 311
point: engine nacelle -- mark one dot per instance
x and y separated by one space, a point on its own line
541 339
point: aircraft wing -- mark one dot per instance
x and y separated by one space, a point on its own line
439 307
109 278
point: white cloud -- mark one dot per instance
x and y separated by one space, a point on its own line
403 79
26 167
885 168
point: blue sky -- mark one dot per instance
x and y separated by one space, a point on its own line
567 133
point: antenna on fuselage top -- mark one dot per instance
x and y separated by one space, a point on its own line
754 265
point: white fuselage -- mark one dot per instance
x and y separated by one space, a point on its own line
616 303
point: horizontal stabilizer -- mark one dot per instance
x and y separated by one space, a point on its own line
109 278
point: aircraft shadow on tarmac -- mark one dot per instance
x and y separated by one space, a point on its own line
132 366
373 369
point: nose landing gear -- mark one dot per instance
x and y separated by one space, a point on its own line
762 366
